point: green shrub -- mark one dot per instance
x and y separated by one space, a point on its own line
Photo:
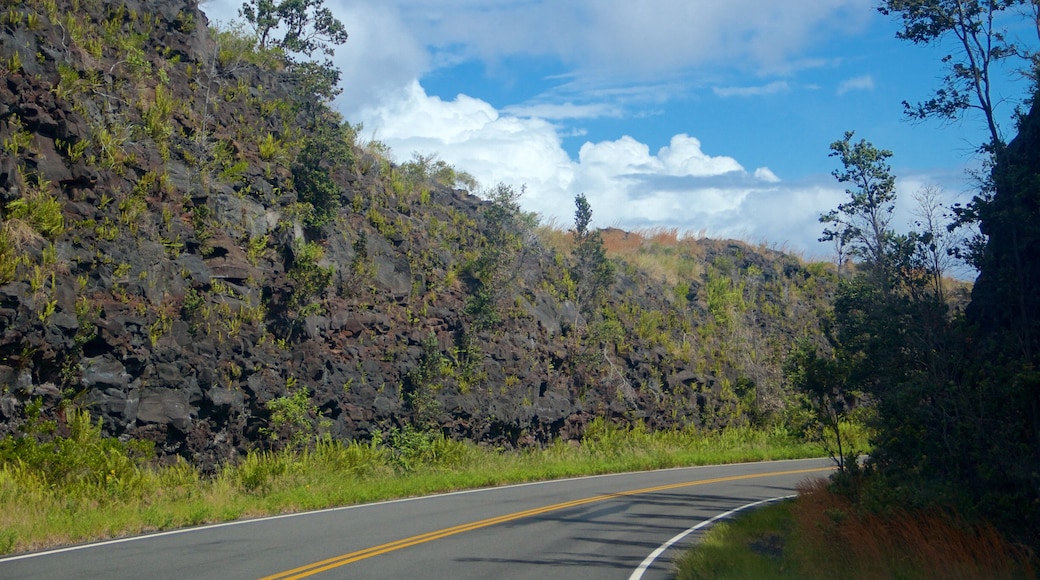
292 418
82 464
309 277
412 448
39 209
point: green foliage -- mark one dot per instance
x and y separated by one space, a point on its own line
293 418
408 462
236 46
754 545
723 299
39 209
505 228
823 379
256 248
307 25
18 140
422 384
328 144
157 119
593 273
422 168
861 225
84 462
412 448
981 44
271 148
9 256
310 279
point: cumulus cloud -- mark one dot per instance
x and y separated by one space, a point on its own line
620 59
860 83
475 137
629 185
764 174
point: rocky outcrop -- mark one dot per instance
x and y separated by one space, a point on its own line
158 268
1004 298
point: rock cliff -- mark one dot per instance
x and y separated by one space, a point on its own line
165 263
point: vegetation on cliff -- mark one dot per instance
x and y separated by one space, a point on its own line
197 250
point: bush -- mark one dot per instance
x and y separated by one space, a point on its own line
81 464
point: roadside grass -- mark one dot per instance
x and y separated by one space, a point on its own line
83 487
820 534
755 544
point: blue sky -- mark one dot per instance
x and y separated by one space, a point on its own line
710 116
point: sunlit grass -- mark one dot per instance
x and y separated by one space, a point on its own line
39 509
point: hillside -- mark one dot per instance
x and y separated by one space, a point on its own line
195 248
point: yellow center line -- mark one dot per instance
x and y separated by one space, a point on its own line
342 560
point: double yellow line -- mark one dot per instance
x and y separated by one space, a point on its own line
343 560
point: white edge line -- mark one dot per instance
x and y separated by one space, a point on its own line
637 574
357 506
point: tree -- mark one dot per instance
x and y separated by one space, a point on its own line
593 272
980 43
861 225
308 25
937 243
823 379
889 337
505 231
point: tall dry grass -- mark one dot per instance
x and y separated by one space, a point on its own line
834 539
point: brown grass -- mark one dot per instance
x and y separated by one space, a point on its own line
901 544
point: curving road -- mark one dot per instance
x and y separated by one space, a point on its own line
592 527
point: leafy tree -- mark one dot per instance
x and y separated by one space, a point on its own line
823 378
862 225
326 145
889 339
307 26
309 277
959 407
981 44
593 272
505 231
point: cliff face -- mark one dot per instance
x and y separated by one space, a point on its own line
162 264
1005 297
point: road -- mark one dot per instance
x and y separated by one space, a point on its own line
593 527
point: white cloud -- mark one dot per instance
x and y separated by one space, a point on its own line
647 38
628 185
475 137
564 111
756 91
764 174
381 55
616 55
860 83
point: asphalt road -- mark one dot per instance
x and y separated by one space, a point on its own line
594 527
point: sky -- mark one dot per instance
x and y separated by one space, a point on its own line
711 117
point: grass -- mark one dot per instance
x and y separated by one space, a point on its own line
83 487
821 535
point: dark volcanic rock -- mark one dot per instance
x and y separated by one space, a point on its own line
189 285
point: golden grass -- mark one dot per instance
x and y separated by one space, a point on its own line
833 538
